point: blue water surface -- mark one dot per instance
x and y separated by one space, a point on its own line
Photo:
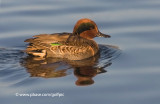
128 75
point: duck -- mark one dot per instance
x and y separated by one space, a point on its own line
77 45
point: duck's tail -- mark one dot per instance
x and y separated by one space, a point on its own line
36 47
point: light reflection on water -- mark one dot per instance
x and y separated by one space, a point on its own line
133 77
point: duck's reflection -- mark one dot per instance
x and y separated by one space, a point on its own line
84 70
85 74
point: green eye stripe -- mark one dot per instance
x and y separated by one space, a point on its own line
84 27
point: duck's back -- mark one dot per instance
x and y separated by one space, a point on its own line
44 41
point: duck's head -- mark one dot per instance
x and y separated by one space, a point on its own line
88 29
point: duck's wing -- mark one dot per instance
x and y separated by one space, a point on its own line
44 41
48 38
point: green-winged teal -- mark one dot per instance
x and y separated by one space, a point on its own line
72 46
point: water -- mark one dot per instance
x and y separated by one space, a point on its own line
129 78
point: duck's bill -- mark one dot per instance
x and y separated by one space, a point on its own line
103 35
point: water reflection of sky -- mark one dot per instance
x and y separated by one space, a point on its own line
134 27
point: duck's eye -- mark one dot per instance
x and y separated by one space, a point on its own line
84 26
